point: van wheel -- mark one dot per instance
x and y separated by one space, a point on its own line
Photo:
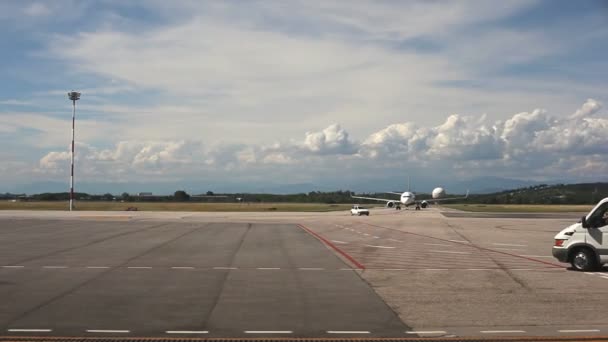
583 259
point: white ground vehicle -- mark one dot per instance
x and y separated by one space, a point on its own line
357 210
585 244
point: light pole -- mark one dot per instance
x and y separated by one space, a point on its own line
74 96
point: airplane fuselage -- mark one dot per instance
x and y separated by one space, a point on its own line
408 198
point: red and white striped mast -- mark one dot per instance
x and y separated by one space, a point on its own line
74 96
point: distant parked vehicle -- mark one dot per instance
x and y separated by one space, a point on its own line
357 210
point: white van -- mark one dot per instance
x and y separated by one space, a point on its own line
585 244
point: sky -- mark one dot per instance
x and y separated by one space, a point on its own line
307 95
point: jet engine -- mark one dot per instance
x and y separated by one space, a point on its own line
424 204
438 193
390 204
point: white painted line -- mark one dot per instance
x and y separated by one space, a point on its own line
29 330
438 244
54 267
182 267
461 241
501 331
365 234
187 332
347 269
339 242
522 269
108 331
311 268
435 269
13 266
376 237
98 267
268 332
537 256
140 267
579 331
347 332
379 246
604 277
509 244
395 240
450 252
268 268
224 268
426 332
393 269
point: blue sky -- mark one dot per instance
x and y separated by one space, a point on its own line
261 94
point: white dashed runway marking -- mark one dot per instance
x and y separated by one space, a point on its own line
29 330
509 244
187 331
450 252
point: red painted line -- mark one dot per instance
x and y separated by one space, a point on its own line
472 245
328 243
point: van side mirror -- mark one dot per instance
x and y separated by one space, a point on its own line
584 222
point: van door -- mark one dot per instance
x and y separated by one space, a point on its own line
597 234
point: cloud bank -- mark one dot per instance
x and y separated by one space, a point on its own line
527 144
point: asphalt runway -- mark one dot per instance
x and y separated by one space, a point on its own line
393 274
91 278
507 215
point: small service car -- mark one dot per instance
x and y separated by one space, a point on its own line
357 210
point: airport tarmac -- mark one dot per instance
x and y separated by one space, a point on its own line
393 274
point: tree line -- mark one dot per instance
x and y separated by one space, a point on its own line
586 193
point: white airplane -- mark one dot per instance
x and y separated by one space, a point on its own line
408 198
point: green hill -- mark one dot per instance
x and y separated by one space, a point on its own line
584 193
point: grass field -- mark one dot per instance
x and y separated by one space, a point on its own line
171 206
521 208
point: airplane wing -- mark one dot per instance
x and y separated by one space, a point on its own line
448 198
376 199
394 193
